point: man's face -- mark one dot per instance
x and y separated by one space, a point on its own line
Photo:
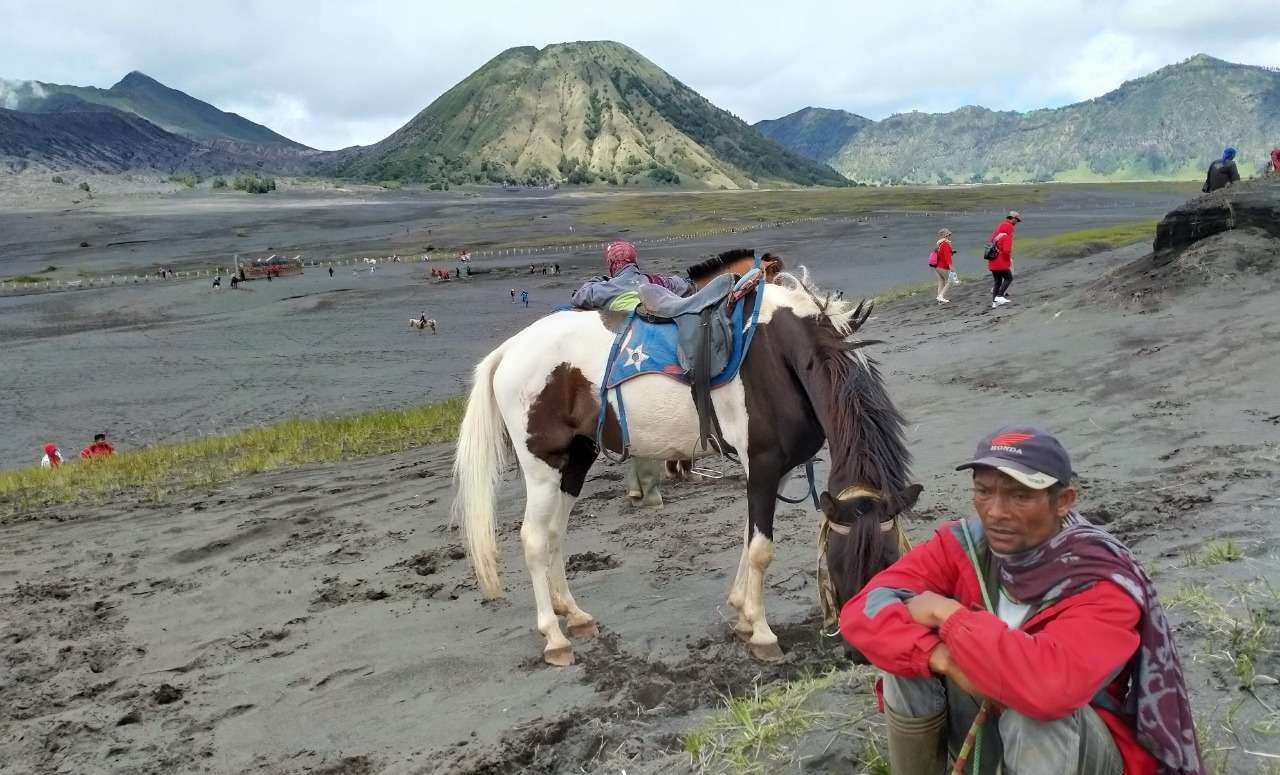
1015 517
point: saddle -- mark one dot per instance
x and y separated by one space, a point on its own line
700 340
701 320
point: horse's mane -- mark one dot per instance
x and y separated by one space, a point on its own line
866 429
715 264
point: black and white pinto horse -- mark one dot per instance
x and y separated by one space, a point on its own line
804 381
420 324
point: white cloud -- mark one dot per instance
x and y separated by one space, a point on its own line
332 74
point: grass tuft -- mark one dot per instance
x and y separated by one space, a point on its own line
1072 244
742 735
1216 553
154 472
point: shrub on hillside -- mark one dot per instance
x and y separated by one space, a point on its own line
664 175
58 179
190 181
219 182
84 186
254 184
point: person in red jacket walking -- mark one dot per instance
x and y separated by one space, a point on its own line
1002 265
940 260
1034 620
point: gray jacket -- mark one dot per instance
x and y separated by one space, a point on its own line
596 294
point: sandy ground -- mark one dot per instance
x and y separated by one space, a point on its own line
324 620
172 360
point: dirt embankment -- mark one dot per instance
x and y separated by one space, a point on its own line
324 620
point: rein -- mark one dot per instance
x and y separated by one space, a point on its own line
826 593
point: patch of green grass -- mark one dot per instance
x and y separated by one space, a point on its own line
741 736
26 279
1216 553
153 472
675 214
1071 244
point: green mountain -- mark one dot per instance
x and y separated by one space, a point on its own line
1166 125
141 95
578 112
818 133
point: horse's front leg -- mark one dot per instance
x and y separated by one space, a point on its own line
762 488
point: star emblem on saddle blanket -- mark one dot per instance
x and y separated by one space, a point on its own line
636 357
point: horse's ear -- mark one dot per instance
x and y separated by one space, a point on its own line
908 497
827 504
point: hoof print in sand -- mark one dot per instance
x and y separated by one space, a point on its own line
588 562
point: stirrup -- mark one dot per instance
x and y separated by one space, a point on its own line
706 473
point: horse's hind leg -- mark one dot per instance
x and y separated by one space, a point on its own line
538 534
581 624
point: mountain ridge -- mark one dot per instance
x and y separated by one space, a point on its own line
1167 124
169 109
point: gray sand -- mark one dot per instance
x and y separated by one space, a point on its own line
172 360
323 620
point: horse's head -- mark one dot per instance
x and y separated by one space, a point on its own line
864 536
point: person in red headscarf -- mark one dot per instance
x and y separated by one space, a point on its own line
620 291
1275 161
52 457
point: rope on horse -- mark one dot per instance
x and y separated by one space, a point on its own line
826 590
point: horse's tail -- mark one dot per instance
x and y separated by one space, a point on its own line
481 457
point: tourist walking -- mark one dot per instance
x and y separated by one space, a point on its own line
217 283
1222 172
513 295
999 257
940 260
1275 161
1029 618
331 271
524 297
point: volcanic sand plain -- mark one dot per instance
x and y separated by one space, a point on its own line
324 620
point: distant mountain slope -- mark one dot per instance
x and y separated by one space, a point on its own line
1169 124
576 112
818 133
101 140
136 93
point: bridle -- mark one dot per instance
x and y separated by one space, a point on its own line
859 492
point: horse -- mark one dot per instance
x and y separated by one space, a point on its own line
804 381
418 324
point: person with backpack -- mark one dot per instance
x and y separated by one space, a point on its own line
999 258
940 260
1222 172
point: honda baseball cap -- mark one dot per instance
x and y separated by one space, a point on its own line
1030 456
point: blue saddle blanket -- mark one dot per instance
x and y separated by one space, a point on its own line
653 348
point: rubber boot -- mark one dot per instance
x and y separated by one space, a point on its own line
631 482
649 476
917 746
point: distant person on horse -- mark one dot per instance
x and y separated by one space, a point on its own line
620 291
422 320
1222 172
1032 620
217 283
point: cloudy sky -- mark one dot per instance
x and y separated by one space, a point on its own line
332 74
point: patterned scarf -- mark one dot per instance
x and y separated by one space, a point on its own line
1078 557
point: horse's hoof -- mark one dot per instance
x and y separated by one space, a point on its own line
651 500
767 652
558 657
584 631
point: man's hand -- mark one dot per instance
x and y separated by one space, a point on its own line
940 664
929 609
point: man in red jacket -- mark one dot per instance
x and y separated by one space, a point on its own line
1002 265
1035 615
